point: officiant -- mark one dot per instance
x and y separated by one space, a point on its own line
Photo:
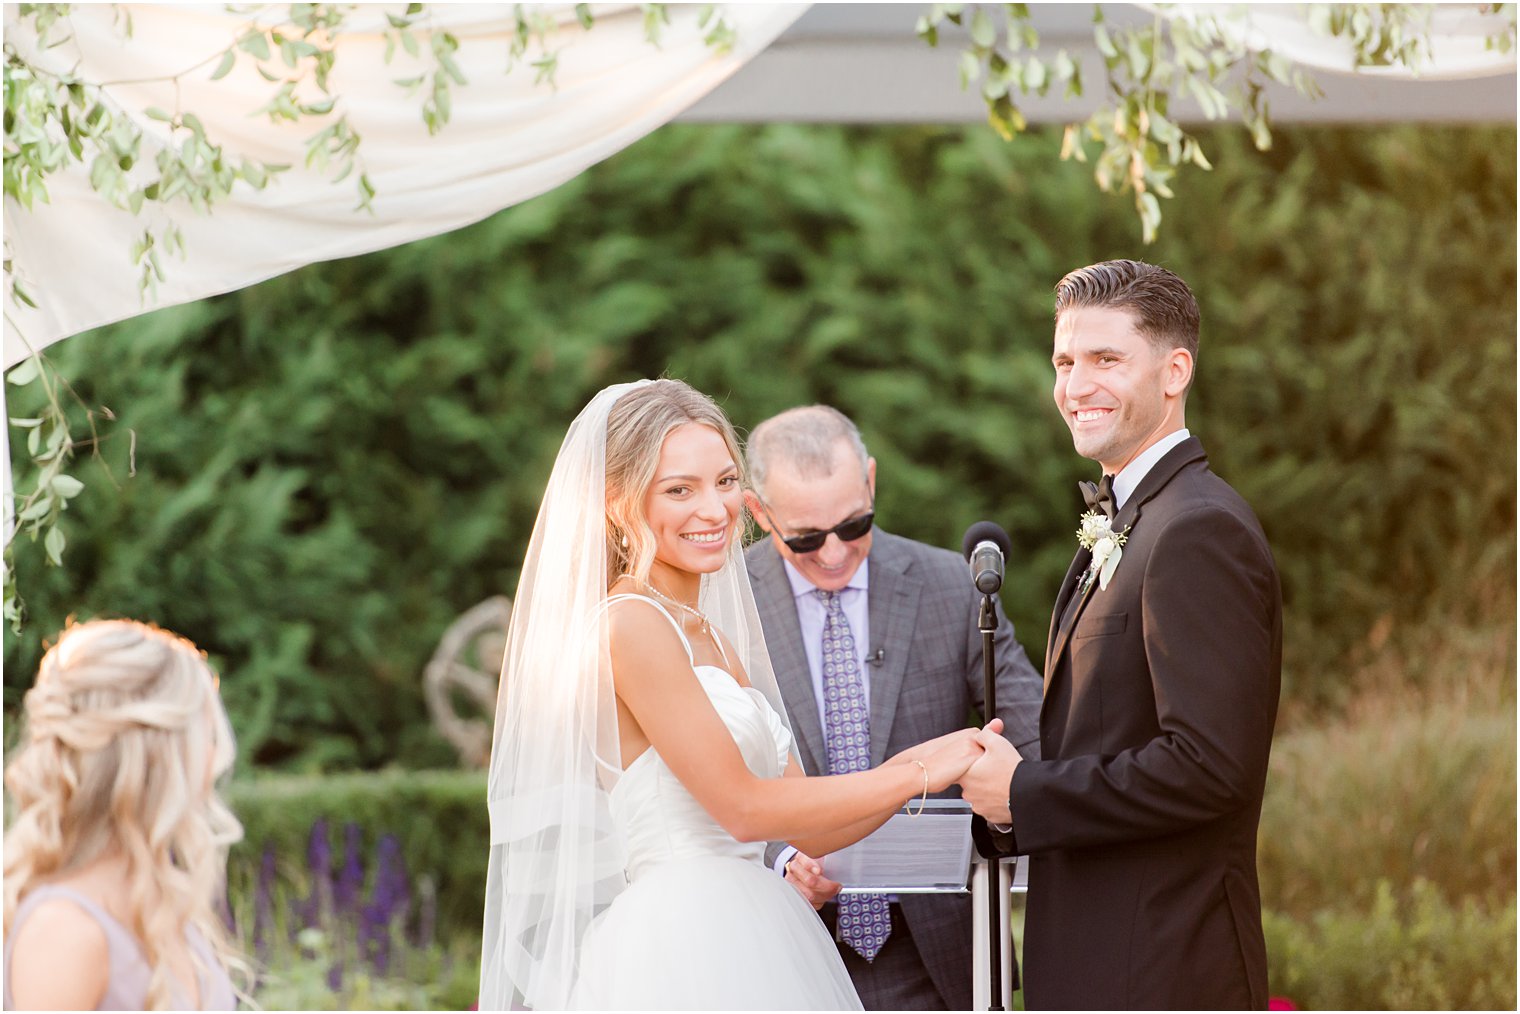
876 648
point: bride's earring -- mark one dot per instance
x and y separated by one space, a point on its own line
625 540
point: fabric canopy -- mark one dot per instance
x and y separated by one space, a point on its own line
1459 37
509 138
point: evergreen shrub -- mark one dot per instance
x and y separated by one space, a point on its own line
1404 797
1419 953
332 465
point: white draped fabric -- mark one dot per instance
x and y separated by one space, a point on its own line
1459 35
509 139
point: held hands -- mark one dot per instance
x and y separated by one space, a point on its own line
806 875
985 783
922 750
947 758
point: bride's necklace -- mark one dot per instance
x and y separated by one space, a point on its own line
704 624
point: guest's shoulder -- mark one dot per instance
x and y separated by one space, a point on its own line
60 957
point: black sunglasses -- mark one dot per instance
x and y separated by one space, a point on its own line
848 531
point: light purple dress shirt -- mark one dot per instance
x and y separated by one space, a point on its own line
854 599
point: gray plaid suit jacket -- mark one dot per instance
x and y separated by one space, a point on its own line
923 619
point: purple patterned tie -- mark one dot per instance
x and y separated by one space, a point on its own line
865 922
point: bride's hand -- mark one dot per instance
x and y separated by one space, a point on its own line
950 758
923 750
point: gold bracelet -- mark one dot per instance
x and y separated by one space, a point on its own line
925 799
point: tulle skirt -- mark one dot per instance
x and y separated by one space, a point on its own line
713 933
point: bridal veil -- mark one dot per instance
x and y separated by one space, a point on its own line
556 861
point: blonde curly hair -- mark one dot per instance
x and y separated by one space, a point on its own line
124 736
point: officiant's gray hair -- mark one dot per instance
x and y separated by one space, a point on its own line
804 438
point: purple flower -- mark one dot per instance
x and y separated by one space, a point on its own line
318 850
335 976
319 861
388 904
391 886
351 877
263 904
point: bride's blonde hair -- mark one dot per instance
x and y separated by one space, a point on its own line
124 738
636 431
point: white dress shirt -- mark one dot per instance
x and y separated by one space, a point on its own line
1129 477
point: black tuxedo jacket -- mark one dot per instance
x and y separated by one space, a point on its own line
1160 696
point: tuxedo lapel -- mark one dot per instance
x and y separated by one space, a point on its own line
1172 462
1066 620
1068 588
892 602
778 615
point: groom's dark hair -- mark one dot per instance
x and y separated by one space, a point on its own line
1165 311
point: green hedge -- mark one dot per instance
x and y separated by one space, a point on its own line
1405 797
439 817
1420 801
335 463
1409 948
1413 950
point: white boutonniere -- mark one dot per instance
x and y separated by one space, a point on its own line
1107 546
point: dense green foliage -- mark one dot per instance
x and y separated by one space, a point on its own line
332 465
1423 953
1406 797
434 978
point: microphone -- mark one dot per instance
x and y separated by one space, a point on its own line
986 546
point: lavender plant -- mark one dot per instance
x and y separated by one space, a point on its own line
360 937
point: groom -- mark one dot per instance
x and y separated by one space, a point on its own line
1161 687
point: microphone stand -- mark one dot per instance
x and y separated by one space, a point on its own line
987 624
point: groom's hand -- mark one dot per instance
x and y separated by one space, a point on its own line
985 784
806 874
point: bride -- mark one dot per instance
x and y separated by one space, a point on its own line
641 758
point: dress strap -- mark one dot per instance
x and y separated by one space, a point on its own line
91 907
213 987
690 658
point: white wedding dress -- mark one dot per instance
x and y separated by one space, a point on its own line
704 924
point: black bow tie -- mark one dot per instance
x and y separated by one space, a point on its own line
1099 497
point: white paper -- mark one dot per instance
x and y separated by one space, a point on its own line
926 854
